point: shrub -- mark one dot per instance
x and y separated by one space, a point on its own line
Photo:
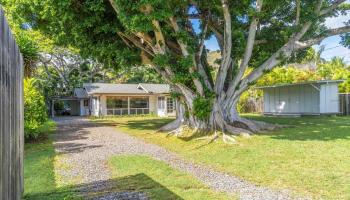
35 114
202 108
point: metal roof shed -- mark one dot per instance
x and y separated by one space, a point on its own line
308 98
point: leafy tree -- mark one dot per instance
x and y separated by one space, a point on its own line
26 43
64 69
34 109
137 74
261 34
336 69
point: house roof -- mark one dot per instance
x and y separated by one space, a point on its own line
141 88
155 88
80 93
301 83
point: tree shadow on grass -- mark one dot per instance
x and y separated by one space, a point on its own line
316 128
147 124
138 186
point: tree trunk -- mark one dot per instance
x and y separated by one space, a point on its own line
253 126
180 118
221 120
218 121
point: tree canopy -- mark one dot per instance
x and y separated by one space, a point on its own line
260 34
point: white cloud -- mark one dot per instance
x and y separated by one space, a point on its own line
336 22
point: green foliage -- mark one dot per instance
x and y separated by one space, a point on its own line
202 107
175 95
133 15
161 60
336 69
286 75
35 114
186 62
137 74
28 47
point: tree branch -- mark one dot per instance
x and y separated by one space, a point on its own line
201 42
332 7
297 18
275 59
185 52
136 41
248 50
317 40
226 53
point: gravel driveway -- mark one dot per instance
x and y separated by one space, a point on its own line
86 146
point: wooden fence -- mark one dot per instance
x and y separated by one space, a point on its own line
11 115
344 104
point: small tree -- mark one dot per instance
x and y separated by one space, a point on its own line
35 114
261 34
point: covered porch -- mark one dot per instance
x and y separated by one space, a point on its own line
136 105
69 106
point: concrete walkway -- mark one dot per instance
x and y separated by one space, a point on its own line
88 145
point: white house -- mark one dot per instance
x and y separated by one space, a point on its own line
308 98
102 99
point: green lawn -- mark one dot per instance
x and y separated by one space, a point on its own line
158 180
311 158
40 182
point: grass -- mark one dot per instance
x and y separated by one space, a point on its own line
40 182
311 158
158 180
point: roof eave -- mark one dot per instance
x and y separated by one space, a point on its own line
303 83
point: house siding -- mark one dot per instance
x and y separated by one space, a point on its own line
153 104
103 102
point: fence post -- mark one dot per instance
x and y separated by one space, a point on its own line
347 107
11 115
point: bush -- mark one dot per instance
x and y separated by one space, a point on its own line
35 115
202 108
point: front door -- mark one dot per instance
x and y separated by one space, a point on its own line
161 110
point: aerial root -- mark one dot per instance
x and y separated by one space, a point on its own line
228 139
174 125
178 131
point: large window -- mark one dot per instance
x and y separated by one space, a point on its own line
117 105
139 105
117 102
139 102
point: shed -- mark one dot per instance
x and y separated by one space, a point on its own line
307 98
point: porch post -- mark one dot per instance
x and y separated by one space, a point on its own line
128 105
53 108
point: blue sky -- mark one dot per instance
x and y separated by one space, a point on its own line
331 44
